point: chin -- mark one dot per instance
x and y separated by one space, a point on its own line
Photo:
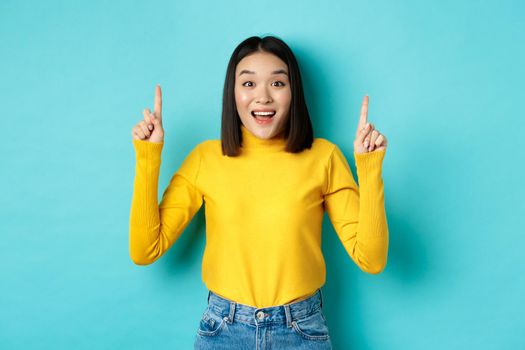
264 132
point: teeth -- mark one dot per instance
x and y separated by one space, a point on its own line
263 113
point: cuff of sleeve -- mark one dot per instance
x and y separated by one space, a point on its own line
371 162
145 150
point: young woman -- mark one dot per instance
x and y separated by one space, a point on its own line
266 185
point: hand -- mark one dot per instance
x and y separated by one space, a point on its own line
367 139
150 129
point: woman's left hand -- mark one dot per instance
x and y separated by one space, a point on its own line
367 138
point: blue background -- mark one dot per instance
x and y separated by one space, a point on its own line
445 81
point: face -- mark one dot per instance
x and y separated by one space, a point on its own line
262 85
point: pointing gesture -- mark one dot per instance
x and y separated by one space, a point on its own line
367 138
150 129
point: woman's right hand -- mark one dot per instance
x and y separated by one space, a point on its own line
150 129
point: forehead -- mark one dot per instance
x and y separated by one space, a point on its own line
260 63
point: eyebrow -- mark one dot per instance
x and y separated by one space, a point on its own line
279 71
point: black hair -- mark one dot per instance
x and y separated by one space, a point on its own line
298 130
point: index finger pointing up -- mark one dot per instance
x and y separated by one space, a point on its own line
158 102
363 119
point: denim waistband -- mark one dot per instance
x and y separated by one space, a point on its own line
280 314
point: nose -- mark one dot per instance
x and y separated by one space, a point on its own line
263 96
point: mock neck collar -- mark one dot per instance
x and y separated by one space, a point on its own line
252 142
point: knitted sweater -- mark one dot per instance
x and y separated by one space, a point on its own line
263 213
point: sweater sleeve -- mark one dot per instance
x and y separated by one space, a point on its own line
358 213
155 227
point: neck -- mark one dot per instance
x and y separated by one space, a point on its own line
252 142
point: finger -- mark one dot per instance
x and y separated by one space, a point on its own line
364 113
373 138
138 135
363 133
368 135
146 113
380 140
137 130
158 102
369 127
148 119
144 128
134 135
154 120
150 116
384 142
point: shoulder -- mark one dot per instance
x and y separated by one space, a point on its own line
323 146
207 145
209 148
323 142
331 153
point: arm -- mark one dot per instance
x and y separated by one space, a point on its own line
153 227
358 213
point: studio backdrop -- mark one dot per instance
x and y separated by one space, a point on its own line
445 81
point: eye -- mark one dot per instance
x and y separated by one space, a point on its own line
244 84
280 82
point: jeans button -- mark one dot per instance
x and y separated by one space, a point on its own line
260 315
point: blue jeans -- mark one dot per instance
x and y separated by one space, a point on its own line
228 325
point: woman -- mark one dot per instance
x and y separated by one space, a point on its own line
266 185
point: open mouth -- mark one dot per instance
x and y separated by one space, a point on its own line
260 115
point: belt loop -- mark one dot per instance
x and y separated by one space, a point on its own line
288 315
209 293
321 294
232 311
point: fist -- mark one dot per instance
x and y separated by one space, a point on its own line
150 128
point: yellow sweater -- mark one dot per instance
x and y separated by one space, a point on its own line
263 212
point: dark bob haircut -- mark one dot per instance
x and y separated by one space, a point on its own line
298 129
